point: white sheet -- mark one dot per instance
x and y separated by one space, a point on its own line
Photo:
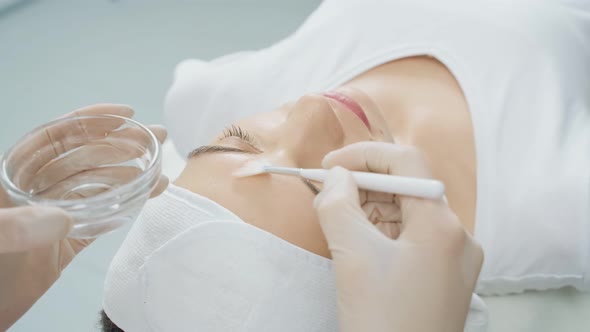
562 310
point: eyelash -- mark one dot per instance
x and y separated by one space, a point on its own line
311 186
236 131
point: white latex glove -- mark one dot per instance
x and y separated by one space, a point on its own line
413 268
33 244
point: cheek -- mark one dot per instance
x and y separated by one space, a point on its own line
284 207
278 204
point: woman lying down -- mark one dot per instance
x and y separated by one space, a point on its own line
493 95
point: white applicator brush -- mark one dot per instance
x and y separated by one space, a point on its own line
392 184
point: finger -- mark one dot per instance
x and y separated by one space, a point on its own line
382 212
343 222
77 245
4 198
380 157
98 109
389 229
120 146
159 131
162 184
108 178
25 228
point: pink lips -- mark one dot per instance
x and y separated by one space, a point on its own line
350 104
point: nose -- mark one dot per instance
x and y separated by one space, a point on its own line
311 130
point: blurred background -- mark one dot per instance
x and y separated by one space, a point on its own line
56 56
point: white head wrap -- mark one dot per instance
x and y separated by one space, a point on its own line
188 264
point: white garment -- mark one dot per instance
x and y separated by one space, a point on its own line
189 264
524 68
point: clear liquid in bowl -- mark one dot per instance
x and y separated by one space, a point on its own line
86 180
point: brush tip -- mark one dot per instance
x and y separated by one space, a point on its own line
251 168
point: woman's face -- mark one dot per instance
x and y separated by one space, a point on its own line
297 134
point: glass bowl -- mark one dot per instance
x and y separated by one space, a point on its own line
100 169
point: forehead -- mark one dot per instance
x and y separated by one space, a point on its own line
263 119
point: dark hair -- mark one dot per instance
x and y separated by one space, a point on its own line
107 325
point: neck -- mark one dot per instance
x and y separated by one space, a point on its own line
424 106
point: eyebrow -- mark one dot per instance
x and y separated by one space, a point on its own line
207 149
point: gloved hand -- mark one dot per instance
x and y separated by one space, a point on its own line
402 263
33 244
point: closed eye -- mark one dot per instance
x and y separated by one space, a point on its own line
237 131
229 132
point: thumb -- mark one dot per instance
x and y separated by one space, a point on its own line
24 228
343 221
